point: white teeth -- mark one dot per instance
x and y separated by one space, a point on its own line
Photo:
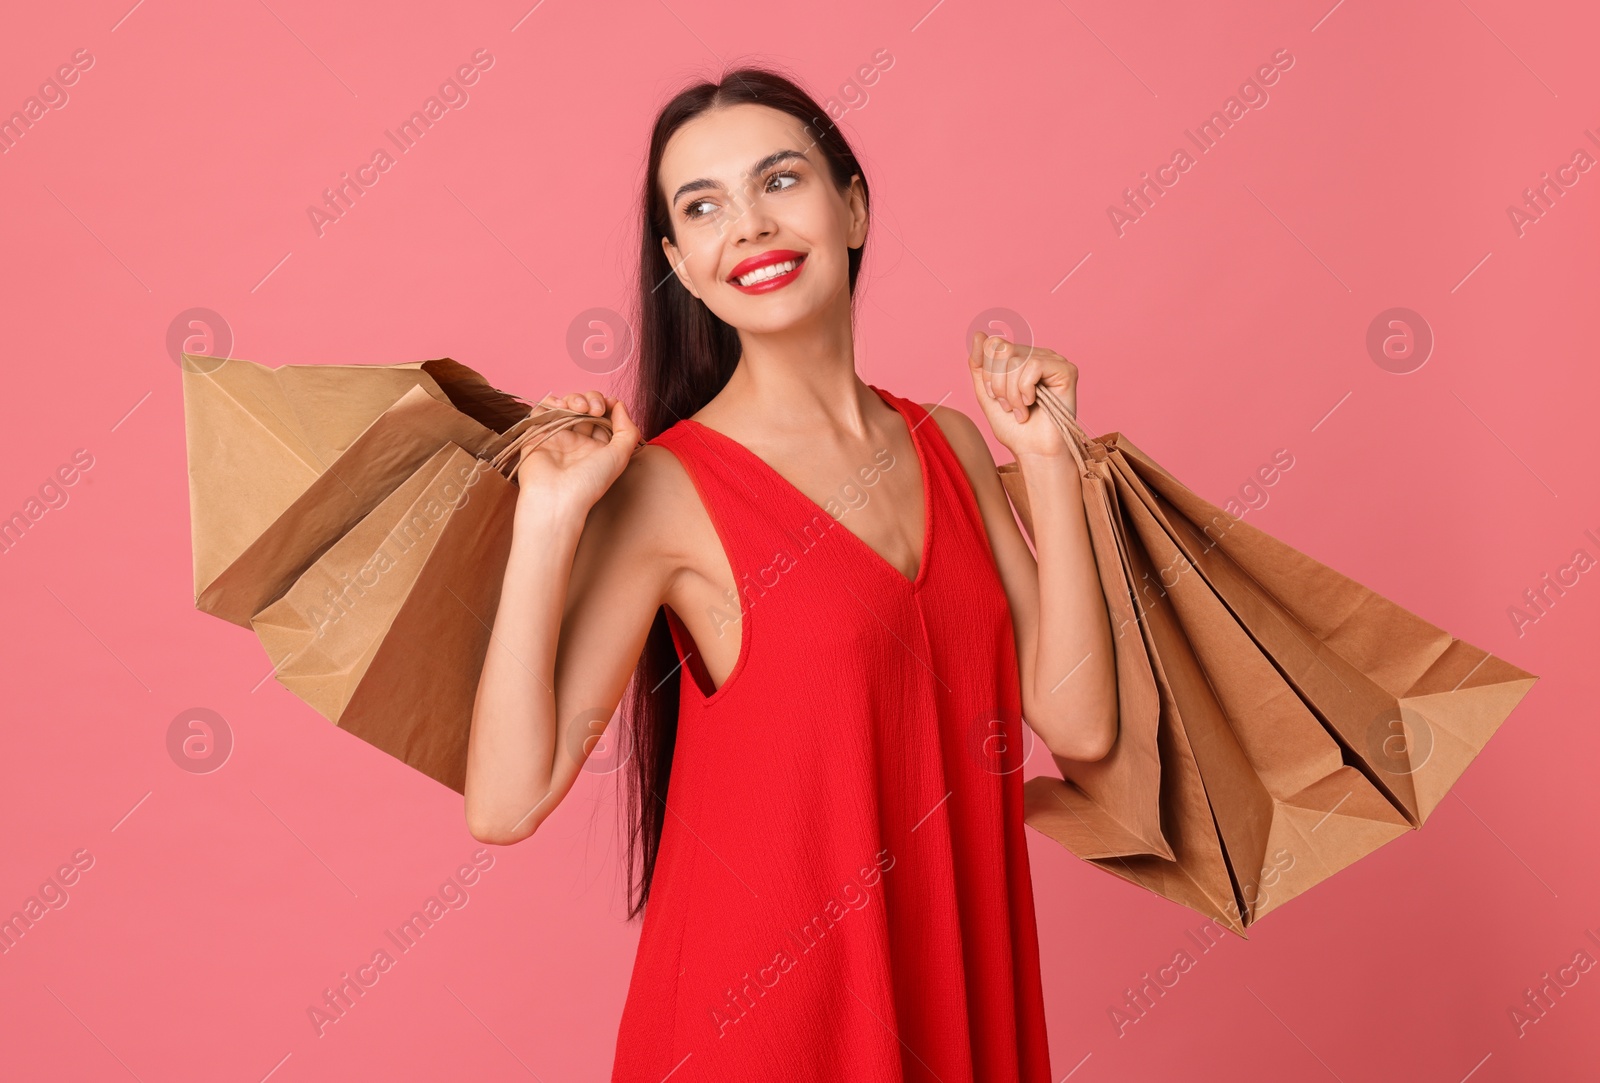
771 270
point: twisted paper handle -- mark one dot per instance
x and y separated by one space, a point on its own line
540 425
1077 439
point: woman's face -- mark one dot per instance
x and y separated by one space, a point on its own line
747 181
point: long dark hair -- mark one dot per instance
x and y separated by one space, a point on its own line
686 355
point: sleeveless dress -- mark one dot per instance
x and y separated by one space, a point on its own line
842 889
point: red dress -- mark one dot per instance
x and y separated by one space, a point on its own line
842 890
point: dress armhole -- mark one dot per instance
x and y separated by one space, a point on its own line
688 657
728 538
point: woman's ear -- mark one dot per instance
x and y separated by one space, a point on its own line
671 252
856 199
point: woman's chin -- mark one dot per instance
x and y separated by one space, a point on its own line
775 314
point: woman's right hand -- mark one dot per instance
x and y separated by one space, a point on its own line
573 468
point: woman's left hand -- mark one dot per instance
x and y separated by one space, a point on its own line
1005 377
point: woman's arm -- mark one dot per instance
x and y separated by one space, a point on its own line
1073 680
582 584
1063 633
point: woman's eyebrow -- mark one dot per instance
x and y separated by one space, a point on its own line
764 164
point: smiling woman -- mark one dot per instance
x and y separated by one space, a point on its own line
772 743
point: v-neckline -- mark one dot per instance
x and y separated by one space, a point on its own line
912 582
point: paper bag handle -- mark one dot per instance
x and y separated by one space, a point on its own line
1077 439
540 425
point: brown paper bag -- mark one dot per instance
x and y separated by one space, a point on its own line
1110 807
385 634
282 461
374 537
1288 809
1417 702
1304 720
1198 761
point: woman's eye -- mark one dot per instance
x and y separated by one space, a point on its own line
692 210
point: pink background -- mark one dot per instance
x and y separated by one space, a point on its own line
1229 322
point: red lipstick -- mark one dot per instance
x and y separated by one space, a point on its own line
767 259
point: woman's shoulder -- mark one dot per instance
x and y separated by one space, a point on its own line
652 508
963 435
653 484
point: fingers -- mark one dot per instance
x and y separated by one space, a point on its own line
583 402
1004 366
1016 389
1028 378
985 360
1009 374
980 379
625 433
975 352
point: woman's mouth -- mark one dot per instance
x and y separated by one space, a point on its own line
767 272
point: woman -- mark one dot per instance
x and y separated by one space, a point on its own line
820 598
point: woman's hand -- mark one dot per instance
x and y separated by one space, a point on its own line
573 468
1005 377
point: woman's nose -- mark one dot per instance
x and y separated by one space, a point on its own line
751 221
